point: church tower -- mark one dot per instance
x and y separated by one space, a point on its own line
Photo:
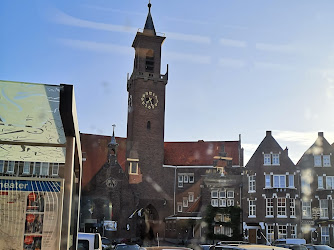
146 109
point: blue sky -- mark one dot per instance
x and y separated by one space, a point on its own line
235 67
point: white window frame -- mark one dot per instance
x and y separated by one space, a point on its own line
269 207
281 207
226 218
222 202
282 231
230 203
185 202
326 161
293 231
267 159
333 209
317 161
185 178
180 180
26 167
275 159
291 181
329 182
37 172
10 167
270 230
214 194
267 180
306 210
323 205
222 194
252 184
292 203
45 169
2 166
55 166
179 207
305 185
191 178
320 182
218 218
191 197
214 202
229 192
251 209
281 178
325 235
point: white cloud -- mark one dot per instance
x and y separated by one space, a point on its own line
232 43
187 57
280 48
97 47
62 18
229 62
301 138
271 66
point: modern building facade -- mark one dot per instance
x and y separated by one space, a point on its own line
40 166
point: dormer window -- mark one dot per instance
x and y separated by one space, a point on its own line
149 63
133 166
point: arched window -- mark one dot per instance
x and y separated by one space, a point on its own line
148 125
149 64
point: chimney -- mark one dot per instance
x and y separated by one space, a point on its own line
286 150
321 134
268 133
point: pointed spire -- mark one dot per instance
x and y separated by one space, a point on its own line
149 26
113 139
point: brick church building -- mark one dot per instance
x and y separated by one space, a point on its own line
141 187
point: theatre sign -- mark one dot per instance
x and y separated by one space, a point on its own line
35 160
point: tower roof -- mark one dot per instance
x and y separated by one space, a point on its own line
149 26
113 139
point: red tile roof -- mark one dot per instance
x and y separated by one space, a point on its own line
199 153
95 150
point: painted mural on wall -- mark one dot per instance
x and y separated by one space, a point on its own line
30 113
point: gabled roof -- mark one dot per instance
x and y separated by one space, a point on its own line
269 144
320 146
95 151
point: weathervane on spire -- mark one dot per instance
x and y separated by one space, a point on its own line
113 128
149 5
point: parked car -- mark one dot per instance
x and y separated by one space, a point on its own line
89 241
165 248
292 246
205 247
246 247
318 247
106 243
289 241
124 246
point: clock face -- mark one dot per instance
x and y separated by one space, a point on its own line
149 100
111 183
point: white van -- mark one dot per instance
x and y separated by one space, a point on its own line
89 241
289 241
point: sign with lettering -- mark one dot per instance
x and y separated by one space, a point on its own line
30 213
